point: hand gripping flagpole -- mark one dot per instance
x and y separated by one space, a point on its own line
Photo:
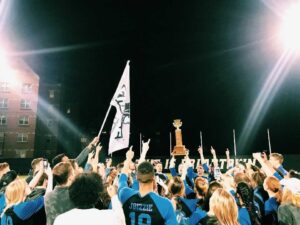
269 140
105 118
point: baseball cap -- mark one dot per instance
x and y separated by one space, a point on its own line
293 184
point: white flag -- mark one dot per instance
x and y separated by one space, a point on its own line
119 136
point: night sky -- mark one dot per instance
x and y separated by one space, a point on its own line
203 61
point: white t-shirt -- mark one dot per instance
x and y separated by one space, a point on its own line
114 216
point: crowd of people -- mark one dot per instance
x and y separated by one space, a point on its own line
86 191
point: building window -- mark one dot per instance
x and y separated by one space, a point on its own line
27 88
3 120
1 137
25 104
51 94
4 86
22 137
24 120
3 103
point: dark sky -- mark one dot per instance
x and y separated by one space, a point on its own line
203 61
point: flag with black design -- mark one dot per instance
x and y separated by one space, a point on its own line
119 136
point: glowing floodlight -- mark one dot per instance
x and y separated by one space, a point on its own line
6 72
290 29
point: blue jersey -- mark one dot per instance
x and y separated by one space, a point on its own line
188 206
197 215
21 213
150 209
244 217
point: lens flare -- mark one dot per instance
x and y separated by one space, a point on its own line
290 28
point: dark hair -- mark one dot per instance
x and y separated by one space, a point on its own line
145 172
254 168
104 198
42 179
85 190
57 159
61 172
244 191
211 189
176 186
294 173
120 166
258 177
7 178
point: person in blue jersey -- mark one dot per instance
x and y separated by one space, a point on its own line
144 206
266 165
17 210
201 188
183 207
260 195
273 187
248 212
276 160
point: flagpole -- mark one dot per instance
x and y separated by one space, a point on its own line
100 131
269 140
170 144
234 147
201 141
140 143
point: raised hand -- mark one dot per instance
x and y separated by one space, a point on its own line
98 148
213 151
108 162
146 145
129 154
111 190
256 155
172 162
94 142
200 150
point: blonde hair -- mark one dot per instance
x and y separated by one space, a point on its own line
277 156
223 206
289 197
15 193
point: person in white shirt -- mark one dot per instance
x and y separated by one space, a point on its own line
84 193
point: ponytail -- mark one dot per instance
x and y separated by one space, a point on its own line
246 195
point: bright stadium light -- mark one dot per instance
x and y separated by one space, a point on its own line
290 28
6 72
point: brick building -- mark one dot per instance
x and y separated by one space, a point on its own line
48 120
19 87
